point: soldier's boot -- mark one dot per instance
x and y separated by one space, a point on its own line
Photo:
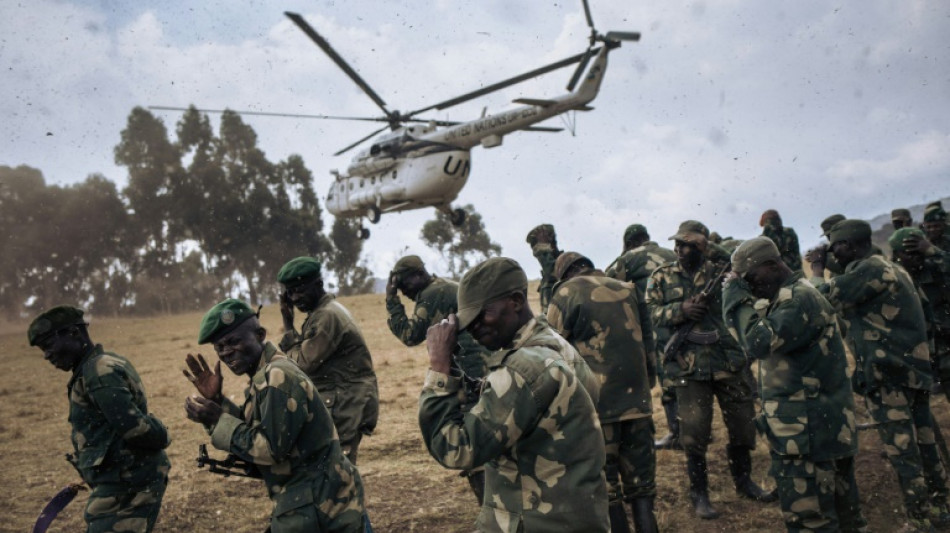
670 441
699 487
618 517
644 521
476 480
740 464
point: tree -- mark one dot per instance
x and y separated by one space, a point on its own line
353 277
460 247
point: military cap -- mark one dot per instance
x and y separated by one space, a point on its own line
298 271
752 253
691 231
541 229
900 213
827 223
223 318
633 231
849 230
769 214
565 261
407 265
934 212
896 240
52 320
486 282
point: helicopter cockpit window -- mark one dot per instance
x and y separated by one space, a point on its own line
394 175
374 150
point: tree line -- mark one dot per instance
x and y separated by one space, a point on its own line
203 216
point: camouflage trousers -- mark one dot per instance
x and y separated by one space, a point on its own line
819 496
631 459
695 399
905 426
115 508
940 359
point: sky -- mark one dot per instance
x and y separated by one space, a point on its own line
723 109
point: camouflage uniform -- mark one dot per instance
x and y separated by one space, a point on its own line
884 322
118 444
787 242
609 325
285 430
534 428
433 303
808 406
331 350
934 281
546 255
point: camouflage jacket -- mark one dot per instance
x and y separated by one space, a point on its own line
331 350
934 280
807 403
285 430
668 288
787 242
433 303
884 324
115 439
943 243
534 428
546 255
636 265
608 323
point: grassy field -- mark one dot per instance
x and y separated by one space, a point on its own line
405 489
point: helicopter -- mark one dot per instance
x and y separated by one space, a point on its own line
426 162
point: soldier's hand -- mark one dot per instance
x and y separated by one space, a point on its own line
207 382
441 339
287 310
915 244
695 308
816 255
202 410
392 287
729 278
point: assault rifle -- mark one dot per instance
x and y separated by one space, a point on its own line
671 352
232 465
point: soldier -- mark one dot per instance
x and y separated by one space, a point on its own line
543 242
886 330
608 323
784 238
709 365
935 226
331 350
930 269
534 427
436 298
118 444
640 258
807 403
283 427
900 218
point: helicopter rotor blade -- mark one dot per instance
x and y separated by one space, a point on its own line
580 69
622 36
351 146
269 114
542 128
590 20
340 62
502 84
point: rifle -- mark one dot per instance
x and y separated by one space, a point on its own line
672 349
232 465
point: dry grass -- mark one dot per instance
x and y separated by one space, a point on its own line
405 489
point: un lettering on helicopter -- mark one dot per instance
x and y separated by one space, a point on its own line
423 162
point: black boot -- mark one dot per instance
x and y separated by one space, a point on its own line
670 441
699 487
476 480
740 464
644 521
618 518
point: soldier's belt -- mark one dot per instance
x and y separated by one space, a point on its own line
703 337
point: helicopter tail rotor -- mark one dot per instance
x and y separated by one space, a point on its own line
611 40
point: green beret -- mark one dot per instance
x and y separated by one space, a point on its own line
298 271
633 231
900 213
934 212
752 253
565 261
896 240
223 318
486 282
827 223
52 320
849 230
691 231
407 265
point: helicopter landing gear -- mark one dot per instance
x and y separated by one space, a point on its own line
373 214
363 234
457 217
